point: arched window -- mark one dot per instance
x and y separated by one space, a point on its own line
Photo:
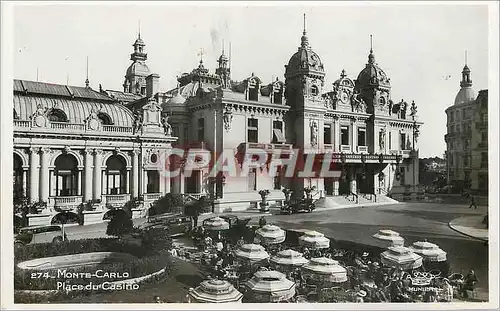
57 115
16 116
18 177
116 175
105 119
66 173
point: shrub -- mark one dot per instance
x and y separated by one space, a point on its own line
170 203
120 225
156 239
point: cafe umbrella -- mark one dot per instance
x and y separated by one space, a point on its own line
388 238
270 234
314 240
251 253
216 224
325 270
215 291
289 258
433 257
401 257
269 286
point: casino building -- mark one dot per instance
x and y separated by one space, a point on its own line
74 146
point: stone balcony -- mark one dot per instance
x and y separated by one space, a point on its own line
116 199
65 202
152 196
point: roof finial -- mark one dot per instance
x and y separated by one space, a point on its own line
223 46
304 24
371 44
371 57
139 29
466 57
304 40
87 82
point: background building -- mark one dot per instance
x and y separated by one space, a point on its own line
467 138
75 147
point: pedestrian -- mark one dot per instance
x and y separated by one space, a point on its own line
472 202
469 283
157 299
262 221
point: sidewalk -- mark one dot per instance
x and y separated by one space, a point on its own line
471 226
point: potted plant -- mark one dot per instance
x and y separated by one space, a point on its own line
264 205
38 207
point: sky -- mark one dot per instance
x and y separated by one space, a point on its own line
421 48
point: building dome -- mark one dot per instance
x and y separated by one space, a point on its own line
465 95
305 60
372 75
138 69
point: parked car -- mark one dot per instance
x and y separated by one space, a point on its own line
39 234
177 224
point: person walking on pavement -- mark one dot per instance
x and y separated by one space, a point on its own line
472 202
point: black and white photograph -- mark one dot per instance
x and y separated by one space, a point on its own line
233 153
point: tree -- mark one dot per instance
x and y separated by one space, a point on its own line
202 205
120 225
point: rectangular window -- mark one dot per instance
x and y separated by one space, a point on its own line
277 179
278 136
457 115
253 131
403 141
361 137
344 135
390 140
201 129
484 117
327 134
451 116
463 114
466 161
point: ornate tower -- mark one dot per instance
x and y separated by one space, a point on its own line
374 86
135 78
304 81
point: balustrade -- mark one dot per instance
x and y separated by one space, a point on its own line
362 149
64 201
117 198
345 148
152 196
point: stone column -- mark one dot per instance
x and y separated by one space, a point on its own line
97 174
87 187
127 181
144 181
335 186
135 173
167 184
25 181
34 174
181 182
44 174
79 183
353 185
336 136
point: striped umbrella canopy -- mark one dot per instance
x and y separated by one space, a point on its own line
289 257
314 240
252 253
269 286
215 224
326 269
428 251
215 291
389 238
270 234
401 257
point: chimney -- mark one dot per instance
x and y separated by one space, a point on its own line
152 84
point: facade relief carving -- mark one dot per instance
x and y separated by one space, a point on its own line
381 139
167 128
39 117
92 121
314 132
228 117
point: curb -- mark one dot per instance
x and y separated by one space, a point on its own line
452 227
